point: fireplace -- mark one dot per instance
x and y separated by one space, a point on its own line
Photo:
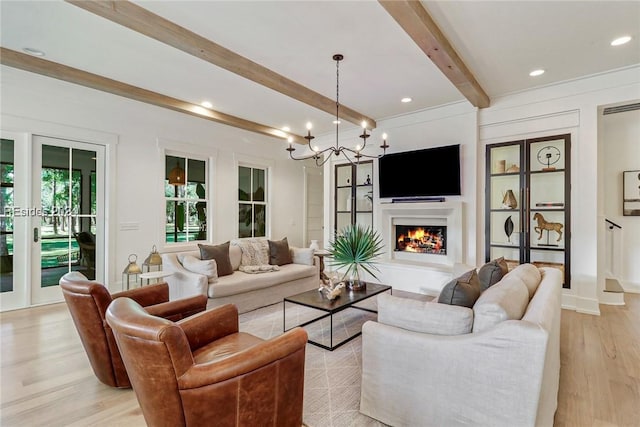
423 239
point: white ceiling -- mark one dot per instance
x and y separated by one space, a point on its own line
500 41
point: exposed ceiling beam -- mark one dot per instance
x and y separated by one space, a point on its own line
418 24
32 64
145 22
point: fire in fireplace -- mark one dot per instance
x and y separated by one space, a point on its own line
421 239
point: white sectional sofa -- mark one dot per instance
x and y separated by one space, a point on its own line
496 364
246 291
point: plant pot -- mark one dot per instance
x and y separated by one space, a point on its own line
356 285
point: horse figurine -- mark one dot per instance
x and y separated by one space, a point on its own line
544 225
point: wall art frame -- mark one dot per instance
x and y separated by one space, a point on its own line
631 193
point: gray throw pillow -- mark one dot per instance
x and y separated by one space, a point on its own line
279 252
492 272
462 291
221 254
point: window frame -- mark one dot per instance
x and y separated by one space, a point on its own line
185 152
266 203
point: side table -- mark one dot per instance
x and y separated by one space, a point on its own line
321 253
154 275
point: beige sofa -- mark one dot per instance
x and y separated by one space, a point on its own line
246 291
498 364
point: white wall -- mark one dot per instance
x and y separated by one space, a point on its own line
35 104
571 107
620 148
447 125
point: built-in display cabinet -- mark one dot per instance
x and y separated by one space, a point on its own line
527 200
353 194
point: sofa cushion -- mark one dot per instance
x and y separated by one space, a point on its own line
492 272
279 253
221 254
424 316
506 300
529 274
254 251
207 267
235 256
302 256
463 290
240 282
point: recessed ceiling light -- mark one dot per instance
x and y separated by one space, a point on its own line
405 100
536 73
32 51
206 104
621 40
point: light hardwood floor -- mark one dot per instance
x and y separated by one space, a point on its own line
46 379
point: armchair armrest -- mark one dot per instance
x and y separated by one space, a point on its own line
210 325
183 283
179 309
245 361
146 295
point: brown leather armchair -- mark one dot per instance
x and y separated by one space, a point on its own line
201 371
88 302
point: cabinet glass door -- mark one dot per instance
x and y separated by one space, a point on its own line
547 213
353 195
504 197
344 199
527 202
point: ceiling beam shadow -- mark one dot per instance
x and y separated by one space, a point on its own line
145 22
418 24
43 67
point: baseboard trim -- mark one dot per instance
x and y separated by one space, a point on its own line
568 300
631 287
588 306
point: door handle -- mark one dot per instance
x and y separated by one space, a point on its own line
36 236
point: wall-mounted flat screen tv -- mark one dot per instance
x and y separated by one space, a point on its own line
430 172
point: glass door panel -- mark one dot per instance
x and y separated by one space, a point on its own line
65 231
6 215
14 219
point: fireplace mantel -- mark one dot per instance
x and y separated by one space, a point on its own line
446 213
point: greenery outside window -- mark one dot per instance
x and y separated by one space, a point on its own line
252 202
186 194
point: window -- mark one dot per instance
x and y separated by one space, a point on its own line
186 192
252 202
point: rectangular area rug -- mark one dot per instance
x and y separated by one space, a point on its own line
332 378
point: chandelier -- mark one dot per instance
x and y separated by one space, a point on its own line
352 155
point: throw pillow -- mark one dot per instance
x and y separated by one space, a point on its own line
221 254
302 256
257 269
279 252
208 267
254 251
463 290
424 316
492 272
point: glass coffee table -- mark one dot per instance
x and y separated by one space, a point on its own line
347 299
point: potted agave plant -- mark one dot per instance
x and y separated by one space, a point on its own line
355 249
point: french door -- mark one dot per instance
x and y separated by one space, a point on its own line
51 216
67 232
